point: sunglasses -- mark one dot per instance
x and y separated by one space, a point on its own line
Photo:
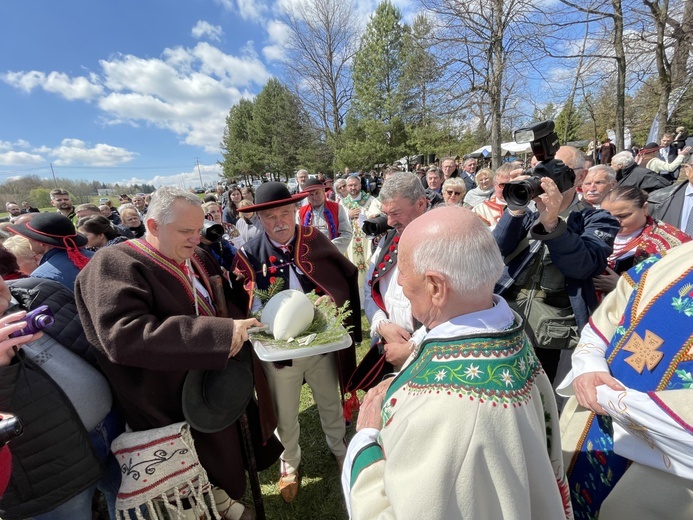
453 192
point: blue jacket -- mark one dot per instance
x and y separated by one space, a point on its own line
56 265
579 248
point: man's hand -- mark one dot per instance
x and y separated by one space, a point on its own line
606 282
585 387
393 333
8 325
354 213
397 353
549 204
369 412
240 334
685 151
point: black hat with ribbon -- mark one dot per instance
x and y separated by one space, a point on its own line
54 229
272 195
214 399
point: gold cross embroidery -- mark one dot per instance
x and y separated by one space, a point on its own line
644 352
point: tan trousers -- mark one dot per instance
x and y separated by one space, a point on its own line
320 372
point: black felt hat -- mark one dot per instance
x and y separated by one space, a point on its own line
314 184
53 229
214 399
272 195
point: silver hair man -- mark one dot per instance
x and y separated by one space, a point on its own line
161 205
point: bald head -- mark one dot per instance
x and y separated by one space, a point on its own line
574 159
451 250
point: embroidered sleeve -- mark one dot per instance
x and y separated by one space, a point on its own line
652 428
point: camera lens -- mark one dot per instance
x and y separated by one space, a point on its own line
41 321
212 231
521 193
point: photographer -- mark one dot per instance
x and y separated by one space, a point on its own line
551 255
387 308
213 237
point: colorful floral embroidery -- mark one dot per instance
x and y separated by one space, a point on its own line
684 303
497 370
686 378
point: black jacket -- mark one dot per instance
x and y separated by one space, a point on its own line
642 178
53 460
667 204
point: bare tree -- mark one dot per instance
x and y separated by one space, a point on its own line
322 37
481 45
670 42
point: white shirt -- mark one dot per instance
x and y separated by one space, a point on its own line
397 305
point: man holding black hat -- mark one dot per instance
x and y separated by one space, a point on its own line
155 314
53 236
305 260
330 218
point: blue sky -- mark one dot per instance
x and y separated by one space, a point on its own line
130 90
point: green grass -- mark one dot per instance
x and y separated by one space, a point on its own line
320 495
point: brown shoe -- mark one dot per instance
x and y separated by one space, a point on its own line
288 486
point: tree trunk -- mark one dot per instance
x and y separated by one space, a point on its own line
620 74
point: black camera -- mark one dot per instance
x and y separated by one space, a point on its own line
212 231
376 226
10 427
544 142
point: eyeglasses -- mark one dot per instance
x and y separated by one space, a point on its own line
453 192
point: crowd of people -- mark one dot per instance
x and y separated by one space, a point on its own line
527 360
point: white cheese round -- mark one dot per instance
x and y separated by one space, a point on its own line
288 314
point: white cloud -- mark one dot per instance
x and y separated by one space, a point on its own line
79 88
202 29
278 36
188 91
210 174
14 158
250 10
76 151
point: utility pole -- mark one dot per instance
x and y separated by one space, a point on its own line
54 179
199 172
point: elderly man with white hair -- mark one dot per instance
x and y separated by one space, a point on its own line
467 429
629 173
599 181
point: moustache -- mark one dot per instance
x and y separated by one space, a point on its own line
277 229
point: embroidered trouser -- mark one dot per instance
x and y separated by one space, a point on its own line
320 372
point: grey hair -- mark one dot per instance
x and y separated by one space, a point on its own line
625 159
123 207
610 173
471 264
504 169
402 184
161 205
437 170
455 182
339 182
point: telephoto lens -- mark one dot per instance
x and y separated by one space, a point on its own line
520 193
376 225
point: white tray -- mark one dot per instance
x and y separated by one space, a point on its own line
272 353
